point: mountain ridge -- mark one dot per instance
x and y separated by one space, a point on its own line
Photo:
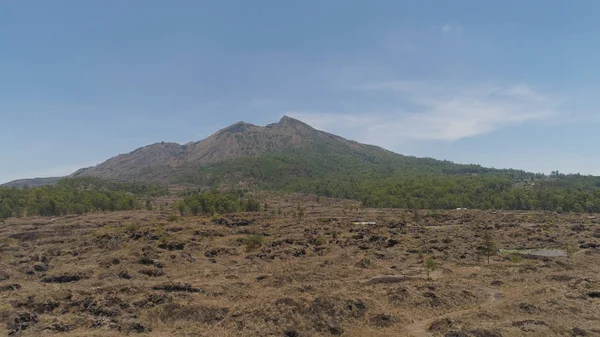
292 156
240 139
280 144
237 140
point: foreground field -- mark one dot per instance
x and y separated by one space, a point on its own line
338 270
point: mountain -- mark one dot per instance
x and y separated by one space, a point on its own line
158 162
292 156
34 182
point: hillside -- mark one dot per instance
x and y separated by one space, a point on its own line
34 182
291 156
158 161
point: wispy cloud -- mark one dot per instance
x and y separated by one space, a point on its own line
449 28
437 112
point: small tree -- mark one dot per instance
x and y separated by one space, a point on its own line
148 205
417 216
181 206
299 211
253 241
430 266
488 247
569 248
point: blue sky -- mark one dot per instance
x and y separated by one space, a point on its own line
499 83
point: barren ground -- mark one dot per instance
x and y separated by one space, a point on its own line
108 274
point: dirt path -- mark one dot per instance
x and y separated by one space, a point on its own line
419 328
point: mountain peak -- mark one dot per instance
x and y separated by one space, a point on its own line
240 139
289 120
237 127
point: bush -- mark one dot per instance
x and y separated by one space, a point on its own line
430 265
254 241
132 226
515 258
172 218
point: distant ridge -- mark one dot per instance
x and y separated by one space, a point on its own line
35 182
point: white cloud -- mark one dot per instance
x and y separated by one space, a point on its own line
437 112
448 28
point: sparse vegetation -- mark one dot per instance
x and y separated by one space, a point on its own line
300 211
380 276
132 226
254 241
515 258
488 246
430 266
569 249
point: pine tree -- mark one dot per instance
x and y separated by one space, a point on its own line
430 266
488 247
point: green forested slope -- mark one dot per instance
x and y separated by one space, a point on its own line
292 156
74 195
390 180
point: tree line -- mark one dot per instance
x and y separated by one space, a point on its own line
214 202
403 182
74 196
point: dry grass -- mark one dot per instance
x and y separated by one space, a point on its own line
284 276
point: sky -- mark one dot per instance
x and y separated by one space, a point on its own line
505 84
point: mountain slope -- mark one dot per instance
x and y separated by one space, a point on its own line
34 182
158 161
292 156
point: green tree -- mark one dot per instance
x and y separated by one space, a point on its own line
569 249
299 211
589 206
181 207
195 207
5 210
430 266
417 216
488 246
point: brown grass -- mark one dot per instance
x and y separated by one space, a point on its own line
305 276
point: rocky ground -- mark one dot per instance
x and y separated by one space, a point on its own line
339 270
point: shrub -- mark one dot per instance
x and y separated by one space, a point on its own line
172 218
569 249
515 258
254 241
132 226
430 265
